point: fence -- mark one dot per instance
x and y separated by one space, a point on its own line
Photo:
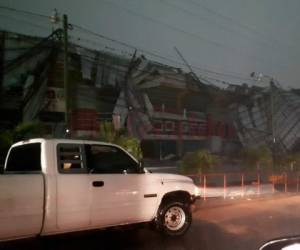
242 184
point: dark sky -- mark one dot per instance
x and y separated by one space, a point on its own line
230 37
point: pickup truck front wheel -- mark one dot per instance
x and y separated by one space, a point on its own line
174 218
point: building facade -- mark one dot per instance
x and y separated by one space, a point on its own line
170 111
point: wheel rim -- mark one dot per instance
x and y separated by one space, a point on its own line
174 218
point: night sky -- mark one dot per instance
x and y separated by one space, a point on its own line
223 40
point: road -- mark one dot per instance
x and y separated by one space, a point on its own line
242 225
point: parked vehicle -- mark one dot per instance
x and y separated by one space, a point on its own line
53 186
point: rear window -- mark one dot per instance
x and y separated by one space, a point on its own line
24 158
71 158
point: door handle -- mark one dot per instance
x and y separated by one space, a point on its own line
98 183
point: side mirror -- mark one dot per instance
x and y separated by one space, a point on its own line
141 166
141 163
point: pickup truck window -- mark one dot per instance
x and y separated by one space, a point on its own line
24 158
109 160
71 158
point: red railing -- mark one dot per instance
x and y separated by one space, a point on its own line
256 182
89 120
192 127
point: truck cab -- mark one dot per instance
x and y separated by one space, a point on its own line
52 186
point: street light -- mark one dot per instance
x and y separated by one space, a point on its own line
54 18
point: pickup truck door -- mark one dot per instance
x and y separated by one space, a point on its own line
120 194
22 193
73 189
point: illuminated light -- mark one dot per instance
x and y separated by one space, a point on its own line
54 18
197 191
67 131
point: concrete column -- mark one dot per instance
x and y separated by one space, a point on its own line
180 106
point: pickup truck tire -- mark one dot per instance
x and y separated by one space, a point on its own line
174 218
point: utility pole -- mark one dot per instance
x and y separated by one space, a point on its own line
272 111
199 82
66 77
272 126
188 65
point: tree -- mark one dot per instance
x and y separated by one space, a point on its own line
257 158
198 162
22 131
120 137
27 130
108 133
132 145
291 162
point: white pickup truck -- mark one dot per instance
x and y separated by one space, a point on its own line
53 186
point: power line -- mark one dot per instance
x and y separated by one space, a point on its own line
188 65
24 12
144 51
266 43
96 61
103 37
36 49
251 29
155 54
103 63
147 52
187 11
194 35
77 40
25 22
231 20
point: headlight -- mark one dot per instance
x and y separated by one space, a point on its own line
197 191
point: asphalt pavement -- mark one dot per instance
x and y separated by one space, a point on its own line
238 224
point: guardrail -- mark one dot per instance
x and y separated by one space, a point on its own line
248 183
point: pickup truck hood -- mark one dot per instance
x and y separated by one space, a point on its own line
176 182
173 178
